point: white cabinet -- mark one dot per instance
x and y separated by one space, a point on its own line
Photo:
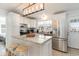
33 23
13 26
15 22
39 45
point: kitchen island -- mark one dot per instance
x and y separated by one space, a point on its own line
40 45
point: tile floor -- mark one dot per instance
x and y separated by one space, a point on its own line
71 52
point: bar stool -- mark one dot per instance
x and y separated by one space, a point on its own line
21 50
10 49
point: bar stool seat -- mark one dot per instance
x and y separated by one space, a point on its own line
13 46
21 50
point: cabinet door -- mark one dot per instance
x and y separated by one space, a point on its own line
16 23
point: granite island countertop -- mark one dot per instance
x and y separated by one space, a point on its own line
39 38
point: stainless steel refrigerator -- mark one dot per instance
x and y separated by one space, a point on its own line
59 41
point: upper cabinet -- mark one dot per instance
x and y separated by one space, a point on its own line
13 22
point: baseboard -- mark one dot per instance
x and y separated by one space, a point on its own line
60 50
73 48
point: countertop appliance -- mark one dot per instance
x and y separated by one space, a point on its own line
23 29
59 41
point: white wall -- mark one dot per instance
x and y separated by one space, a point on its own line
73 37
3 12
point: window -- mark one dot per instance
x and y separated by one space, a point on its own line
74 25
44 23
2 26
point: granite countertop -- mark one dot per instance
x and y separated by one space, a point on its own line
39 38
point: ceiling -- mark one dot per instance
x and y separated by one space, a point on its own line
50 7
55 7
9 6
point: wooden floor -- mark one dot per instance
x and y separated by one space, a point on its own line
71 52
